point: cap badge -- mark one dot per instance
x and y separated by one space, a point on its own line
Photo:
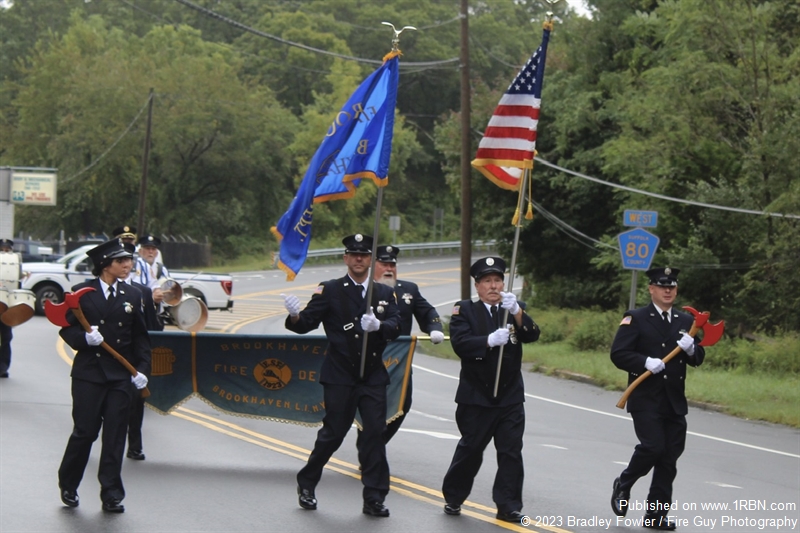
389 249
489 261
668 271
126 228
359 237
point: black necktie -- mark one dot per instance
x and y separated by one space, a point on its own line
494 316
360 289
110 299
665 316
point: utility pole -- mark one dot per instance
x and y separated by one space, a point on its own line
466 150
145 161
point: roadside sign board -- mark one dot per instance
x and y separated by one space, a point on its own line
637 248
640 219
33 188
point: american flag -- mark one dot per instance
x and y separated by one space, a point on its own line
508 144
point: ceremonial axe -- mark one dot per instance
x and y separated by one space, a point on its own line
711 334
57 314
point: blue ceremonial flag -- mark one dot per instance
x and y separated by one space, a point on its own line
358 145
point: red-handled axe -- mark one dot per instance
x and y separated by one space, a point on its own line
57 314
711 334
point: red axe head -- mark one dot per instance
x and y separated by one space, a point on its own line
57 313
711 332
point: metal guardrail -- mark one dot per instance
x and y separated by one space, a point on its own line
410 248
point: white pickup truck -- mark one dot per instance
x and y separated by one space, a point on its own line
49 281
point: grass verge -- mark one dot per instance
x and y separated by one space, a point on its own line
753 396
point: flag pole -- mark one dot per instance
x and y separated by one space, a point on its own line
377 226
520 203
526 177
375 231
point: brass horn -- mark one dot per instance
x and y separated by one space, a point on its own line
171 289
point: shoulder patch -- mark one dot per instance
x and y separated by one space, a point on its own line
456 310
319 288
626 321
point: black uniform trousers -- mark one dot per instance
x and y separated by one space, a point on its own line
479 425
341 402
135 421
95 405
662 439
5 347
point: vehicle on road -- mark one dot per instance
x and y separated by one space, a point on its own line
34 251
50 280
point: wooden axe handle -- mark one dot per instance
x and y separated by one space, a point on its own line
624 399
129 367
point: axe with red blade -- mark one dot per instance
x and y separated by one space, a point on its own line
57 314
711 334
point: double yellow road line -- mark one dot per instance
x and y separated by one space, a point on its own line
398 485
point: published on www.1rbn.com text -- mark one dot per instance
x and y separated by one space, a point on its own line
744 515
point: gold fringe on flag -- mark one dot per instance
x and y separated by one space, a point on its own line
392 54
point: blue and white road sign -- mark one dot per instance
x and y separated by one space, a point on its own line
637 248
640 219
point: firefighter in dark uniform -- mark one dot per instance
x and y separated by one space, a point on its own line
153 323
476 333
340 305
411 305
102 388
658 405
6 246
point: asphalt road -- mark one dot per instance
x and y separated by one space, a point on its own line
206 471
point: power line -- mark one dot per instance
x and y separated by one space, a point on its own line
212 14
663 197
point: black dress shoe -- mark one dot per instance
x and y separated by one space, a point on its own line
511 516
374 508
660 522
136 455
306 499
70 498
619 496
113 506
452 510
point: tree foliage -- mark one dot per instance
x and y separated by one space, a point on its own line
691 99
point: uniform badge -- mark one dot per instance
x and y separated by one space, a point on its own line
626 321
407 298
456 310
381 306
512 334
128 307
318 290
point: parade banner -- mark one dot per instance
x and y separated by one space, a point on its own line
270 377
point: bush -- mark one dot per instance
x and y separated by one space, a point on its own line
595 332
776 354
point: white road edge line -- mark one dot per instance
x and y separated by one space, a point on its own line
614 415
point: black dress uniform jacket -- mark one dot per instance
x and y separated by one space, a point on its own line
470 324
338 305
413 305
644 333
123 328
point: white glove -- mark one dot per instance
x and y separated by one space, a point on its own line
94 337
292 304
498 338
509 302
369 323
437 337
687 344
140 380
654 365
